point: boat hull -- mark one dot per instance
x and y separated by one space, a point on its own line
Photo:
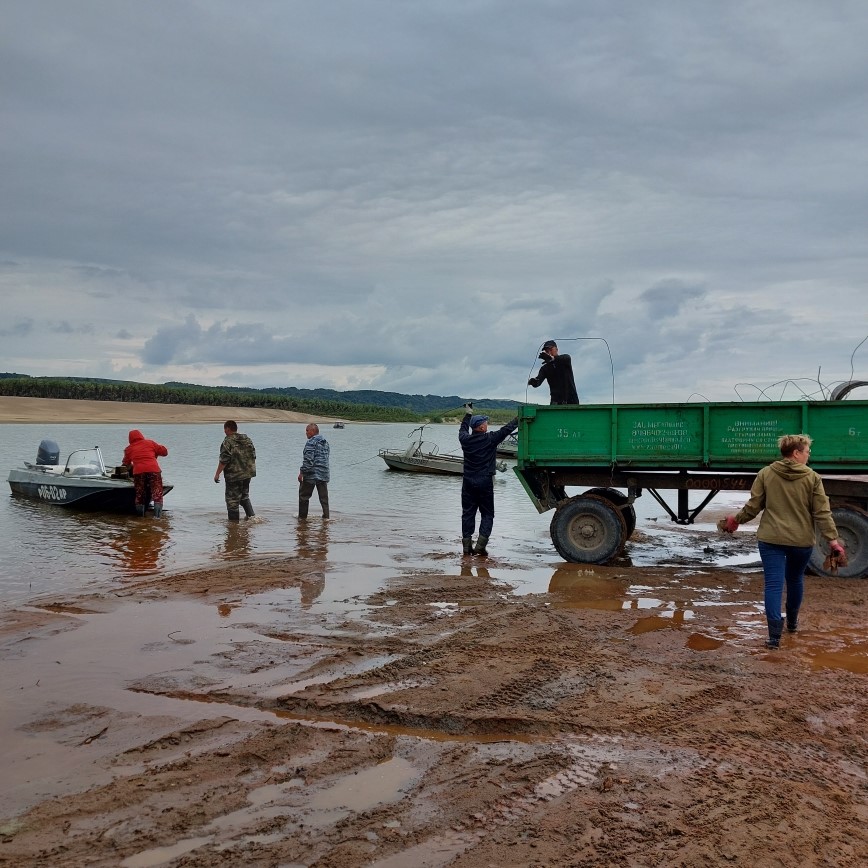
99 494
441 465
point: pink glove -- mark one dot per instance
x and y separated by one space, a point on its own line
728 524
835 548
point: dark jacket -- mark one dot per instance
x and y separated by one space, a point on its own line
142 453
480 449
559 373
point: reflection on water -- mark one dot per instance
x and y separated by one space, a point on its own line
136 547
236 541
53 549
312 541
469 570
581 586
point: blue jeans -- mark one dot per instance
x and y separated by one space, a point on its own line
783 564
477 496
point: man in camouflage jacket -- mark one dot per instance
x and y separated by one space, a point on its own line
238 466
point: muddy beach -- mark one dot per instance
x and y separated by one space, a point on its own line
435 711
629 716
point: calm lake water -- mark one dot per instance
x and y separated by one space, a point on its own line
48 549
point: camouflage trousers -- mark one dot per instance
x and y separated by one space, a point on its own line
236 491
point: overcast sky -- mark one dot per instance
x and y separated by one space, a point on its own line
414 196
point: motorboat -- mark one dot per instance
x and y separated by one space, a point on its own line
422 457
82 482
338 425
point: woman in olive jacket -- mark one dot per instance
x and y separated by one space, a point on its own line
793 501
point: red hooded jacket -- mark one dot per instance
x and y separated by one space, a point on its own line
142 453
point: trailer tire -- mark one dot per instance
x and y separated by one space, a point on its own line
621 502
852 524
588 529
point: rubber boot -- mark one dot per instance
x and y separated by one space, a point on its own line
140 509
480 545
775 630
234 513
247 506
158 510
467 543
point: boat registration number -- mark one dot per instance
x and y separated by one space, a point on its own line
51 492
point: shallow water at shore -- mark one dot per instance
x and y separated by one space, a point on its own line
50 549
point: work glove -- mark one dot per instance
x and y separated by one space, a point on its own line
468 408
728 524
545 357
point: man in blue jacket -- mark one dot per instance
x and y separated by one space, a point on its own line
477 489
314 472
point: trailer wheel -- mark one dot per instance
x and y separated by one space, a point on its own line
622 502
588 529
852 524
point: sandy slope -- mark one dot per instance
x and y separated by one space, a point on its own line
40 410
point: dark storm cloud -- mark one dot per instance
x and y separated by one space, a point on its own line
411 181
18 329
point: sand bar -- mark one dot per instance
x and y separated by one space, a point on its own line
55 410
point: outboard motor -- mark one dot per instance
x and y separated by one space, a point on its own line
49 453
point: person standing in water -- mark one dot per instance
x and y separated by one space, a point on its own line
142 455
314 472
238 465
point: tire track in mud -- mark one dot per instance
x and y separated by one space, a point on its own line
592 762
681 711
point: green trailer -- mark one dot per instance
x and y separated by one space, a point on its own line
619 451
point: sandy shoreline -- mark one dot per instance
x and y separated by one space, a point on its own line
59 410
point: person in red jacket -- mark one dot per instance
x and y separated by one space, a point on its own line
141 455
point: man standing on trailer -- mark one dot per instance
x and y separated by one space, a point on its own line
477 488
558 370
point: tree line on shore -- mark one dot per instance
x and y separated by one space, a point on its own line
90 389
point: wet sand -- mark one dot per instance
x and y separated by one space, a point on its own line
47 410
630 716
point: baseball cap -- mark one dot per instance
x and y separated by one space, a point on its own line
476 421
548 344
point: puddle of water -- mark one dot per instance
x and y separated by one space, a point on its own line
354 668
665 621
379 785
380 689
382 784
852 656
698 642
161 855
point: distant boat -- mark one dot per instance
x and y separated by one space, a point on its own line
338 425
509 447
421 457
83 482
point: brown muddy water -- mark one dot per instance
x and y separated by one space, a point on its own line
48 549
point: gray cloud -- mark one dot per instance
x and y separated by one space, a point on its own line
420 196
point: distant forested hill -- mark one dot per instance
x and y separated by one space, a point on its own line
423 404
363 405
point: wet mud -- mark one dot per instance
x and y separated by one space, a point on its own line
404 707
